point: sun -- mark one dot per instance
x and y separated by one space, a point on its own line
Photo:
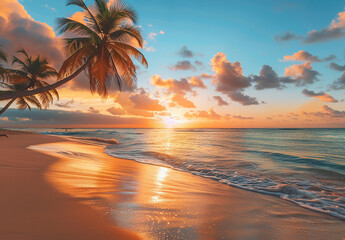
170 122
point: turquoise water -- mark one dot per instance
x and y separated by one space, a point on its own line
305 166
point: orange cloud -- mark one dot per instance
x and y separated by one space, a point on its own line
177 86
302 73
304 56
19 30
181 100
322 96
139 104
210 114
197 82
229 79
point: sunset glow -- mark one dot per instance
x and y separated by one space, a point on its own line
294 78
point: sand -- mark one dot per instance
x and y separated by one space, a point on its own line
70 190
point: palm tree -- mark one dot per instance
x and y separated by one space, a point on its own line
100 46
29 74
3 58
22 102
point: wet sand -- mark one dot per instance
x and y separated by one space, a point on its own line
154 202
30 207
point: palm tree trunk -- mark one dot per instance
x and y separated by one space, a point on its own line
26 93
7 106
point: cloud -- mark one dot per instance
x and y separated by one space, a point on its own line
19 30
66 104
140 104
326 112
268 78
287 36
182 66
185 52
3 118
322 96
335 30
144 102
152 36
241 117
93 110
337 67
220 101
59 118
210 114
172 85
182 101
116 111
230 80
161 32
177 86
305 56
196 81
301 74
339 84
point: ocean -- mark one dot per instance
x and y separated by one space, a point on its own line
304 166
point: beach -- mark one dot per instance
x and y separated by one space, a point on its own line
64 189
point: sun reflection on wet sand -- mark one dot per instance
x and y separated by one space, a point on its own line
161 203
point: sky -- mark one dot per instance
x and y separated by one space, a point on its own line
219 64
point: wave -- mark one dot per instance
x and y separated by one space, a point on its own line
98 140
305 193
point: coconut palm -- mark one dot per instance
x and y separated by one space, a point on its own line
22 102
101 45
3 59
30 73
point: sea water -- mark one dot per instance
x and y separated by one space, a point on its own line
305 166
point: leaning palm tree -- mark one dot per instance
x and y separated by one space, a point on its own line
3 59
22 102
30 73
101 45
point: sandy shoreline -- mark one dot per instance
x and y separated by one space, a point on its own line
42 196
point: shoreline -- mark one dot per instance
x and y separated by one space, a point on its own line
165 198
30 208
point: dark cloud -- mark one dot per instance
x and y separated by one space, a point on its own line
268 78
326 112
335 30
241 117
238 96
339 84
220 101
58 118
337 67
287 36
93 110
185 52
322 96
182 66
66 104
323 35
